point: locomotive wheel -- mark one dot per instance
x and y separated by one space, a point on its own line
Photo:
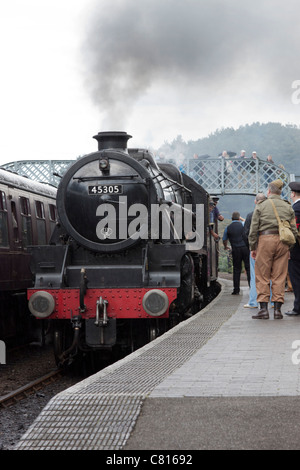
156 328
152 332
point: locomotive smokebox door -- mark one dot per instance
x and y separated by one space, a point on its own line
101 336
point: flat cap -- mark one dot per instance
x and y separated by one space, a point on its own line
295 186
278 183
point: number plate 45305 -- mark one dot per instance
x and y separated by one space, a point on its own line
106 189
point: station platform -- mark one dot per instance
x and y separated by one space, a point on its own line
218 381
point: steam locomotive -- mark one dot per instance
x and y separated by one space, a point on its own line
131 254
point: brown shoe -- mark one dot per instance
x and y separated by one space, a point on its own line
277 311
263 313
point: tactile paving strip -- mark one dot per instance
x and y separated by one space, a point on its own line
99 413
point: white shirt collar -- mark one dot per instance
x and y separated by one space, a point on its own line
297 200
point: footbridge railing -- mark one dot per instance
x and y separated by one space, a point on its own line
235 175
45 171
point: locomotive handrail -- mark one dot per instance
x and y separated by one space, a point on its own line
165 177
99 177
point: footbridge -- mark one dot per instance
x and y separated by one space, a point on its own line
218 176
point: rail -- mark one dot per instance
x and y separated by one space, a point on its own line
23 392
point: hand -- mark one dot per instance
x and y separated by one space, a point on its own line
253 254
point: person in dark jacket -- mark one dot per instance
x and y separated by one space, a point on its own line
294 261
234 232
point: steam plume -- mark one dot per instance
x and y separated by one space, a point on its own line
196 48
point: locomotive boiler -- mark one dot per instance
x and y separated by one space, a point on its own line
131 254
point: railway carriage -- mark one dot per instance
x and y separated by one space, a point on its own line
27 217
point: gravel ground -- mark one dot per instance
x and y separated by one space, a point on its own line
16 419
22 366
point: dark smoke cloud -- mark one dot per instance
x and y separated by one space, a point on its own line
190 46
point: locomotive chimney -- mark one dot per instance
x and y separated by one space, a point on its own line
116 140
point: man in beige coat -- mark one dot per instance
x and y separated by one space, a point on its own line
270 254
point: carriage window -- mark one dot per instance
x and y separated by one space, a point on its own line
52 217
3 220
26 221
40 222
14 222
39 209
52 213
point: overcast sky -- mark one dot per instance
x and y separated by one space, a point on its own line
154 68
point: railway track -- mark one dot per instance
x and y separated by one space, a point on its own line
32 387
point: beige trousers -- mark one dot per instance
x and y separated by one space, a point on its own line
271 264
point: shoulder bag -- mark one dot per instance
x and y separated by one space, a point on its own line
285 233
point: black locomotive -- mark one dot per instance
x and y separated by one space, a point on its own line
131 255
27 217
